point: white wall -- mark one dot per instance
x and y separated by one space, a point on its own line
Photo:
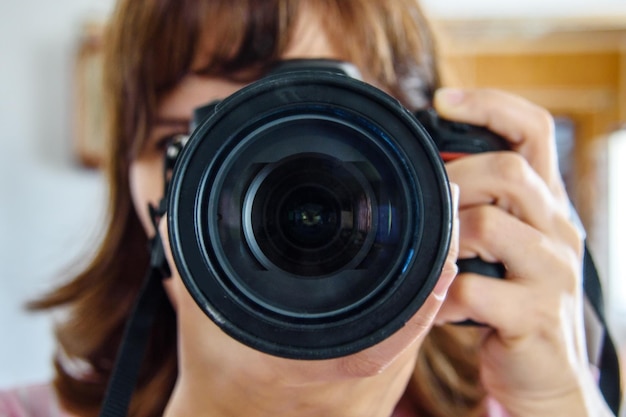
527 8
49 207
616 200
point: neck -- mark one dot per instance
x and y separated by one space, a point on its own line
233 394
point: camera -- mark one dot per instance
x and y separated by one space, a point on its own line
310 213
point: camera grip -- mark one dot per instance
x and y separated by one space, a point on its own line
455 139
478 266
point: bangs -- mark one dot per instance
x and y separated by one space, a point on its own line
151 47
225 38
245 36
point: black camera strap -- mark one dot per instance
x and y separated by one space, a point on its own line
610 381
137 332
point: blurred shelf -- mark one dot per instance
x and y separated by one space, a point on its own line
536 35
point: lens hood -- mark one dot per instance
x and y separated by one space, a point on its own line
309 215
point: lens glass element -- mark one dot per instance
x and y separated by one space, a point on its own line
310 215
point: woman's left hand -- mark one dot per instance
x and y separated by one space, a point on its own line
514 209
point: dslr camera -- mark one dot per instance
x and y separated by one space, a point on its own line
310 213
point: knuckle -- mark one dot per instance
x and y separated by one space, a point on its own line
547 313
481 224
575 237
361 366
565 266
511 167
570 278
461 294
544 119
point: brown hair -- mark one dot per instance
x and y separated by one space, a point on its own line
150 46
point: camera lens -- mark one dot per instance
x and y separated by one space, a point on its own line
309 215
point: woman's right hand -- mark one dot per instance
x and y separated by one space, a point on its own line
514 210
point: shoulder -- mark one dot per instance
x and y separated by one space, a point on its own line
30 401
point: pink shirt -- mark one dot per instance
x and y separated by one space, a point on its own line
30 401
40 401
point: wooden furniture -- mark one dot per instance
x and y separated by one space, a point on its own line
576 68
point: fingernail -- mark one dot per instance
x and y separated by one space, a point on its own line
455 192
447 276
450 96
440 291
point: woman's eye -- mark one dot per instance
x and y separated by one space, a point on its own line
164 142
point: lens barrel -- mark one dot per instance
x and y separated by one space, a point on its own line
309 215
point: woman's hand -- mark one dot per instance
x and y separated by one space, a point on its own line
513 209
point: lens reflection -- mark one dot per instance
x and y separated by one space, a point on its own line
309 215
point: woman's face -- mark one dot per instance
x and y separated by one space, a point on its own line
200 339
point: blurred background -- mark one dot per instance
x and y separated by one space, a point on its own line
569 56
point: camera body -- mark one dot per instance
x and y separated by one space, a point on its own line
309 213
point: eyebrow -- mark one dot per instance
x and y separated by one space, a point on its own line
172 122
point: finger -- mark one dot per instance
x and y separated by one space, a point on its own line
528 255
528 127
505 179
502 305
